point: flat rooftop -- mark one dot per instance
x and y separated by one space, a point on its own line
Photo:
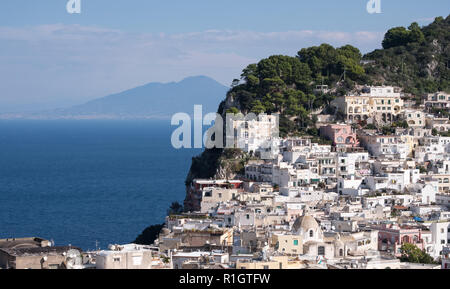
38 251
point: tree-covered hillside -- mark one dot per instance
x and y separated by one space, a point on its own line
284 84
414 58
417 59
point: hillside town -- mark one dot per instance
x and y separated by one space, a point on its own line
373 193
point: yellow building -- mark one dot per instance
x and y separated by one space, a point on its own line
383 103
287 244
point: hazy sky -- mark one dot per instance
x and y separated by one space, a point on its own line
49 58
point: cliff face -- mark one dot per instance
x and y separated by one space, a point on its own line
213 164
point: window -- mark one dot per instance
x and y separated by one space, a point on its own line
116 259
311 233
266 267
321 251
295 242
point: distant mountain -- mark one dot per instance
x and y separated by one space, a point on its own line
153 100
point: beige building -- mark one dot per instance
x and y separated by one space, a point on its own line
308 240
210 236
440 100
443 182
34 253
383 103
279 262
287 244
440 124
415 118
213 196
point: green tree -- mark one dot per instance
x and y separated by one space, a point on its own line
411 253
400 36
149 235
250 70
233 110
397 36
258 107
416 34
175 209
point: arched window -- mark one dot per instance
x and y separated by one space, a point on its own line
311 233
341 252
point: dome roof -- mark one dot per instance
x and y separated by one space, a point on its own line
305 223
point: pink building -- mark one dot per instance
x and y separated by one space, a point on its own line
391 237
340 134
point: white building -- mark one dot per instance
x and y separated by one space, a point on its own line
258 135
130 256
440 237
386 146
397 181
351 186
180 258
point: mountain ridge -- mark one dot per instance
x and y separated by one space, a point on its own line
153 100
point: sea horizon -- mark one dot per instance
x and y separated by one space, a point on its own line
88 182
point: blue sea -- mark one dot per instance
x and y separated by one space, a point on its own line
87 181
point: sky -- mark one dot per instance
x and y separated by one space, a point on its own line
50 58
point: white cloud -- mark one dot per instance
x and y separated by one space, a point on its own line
61 64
